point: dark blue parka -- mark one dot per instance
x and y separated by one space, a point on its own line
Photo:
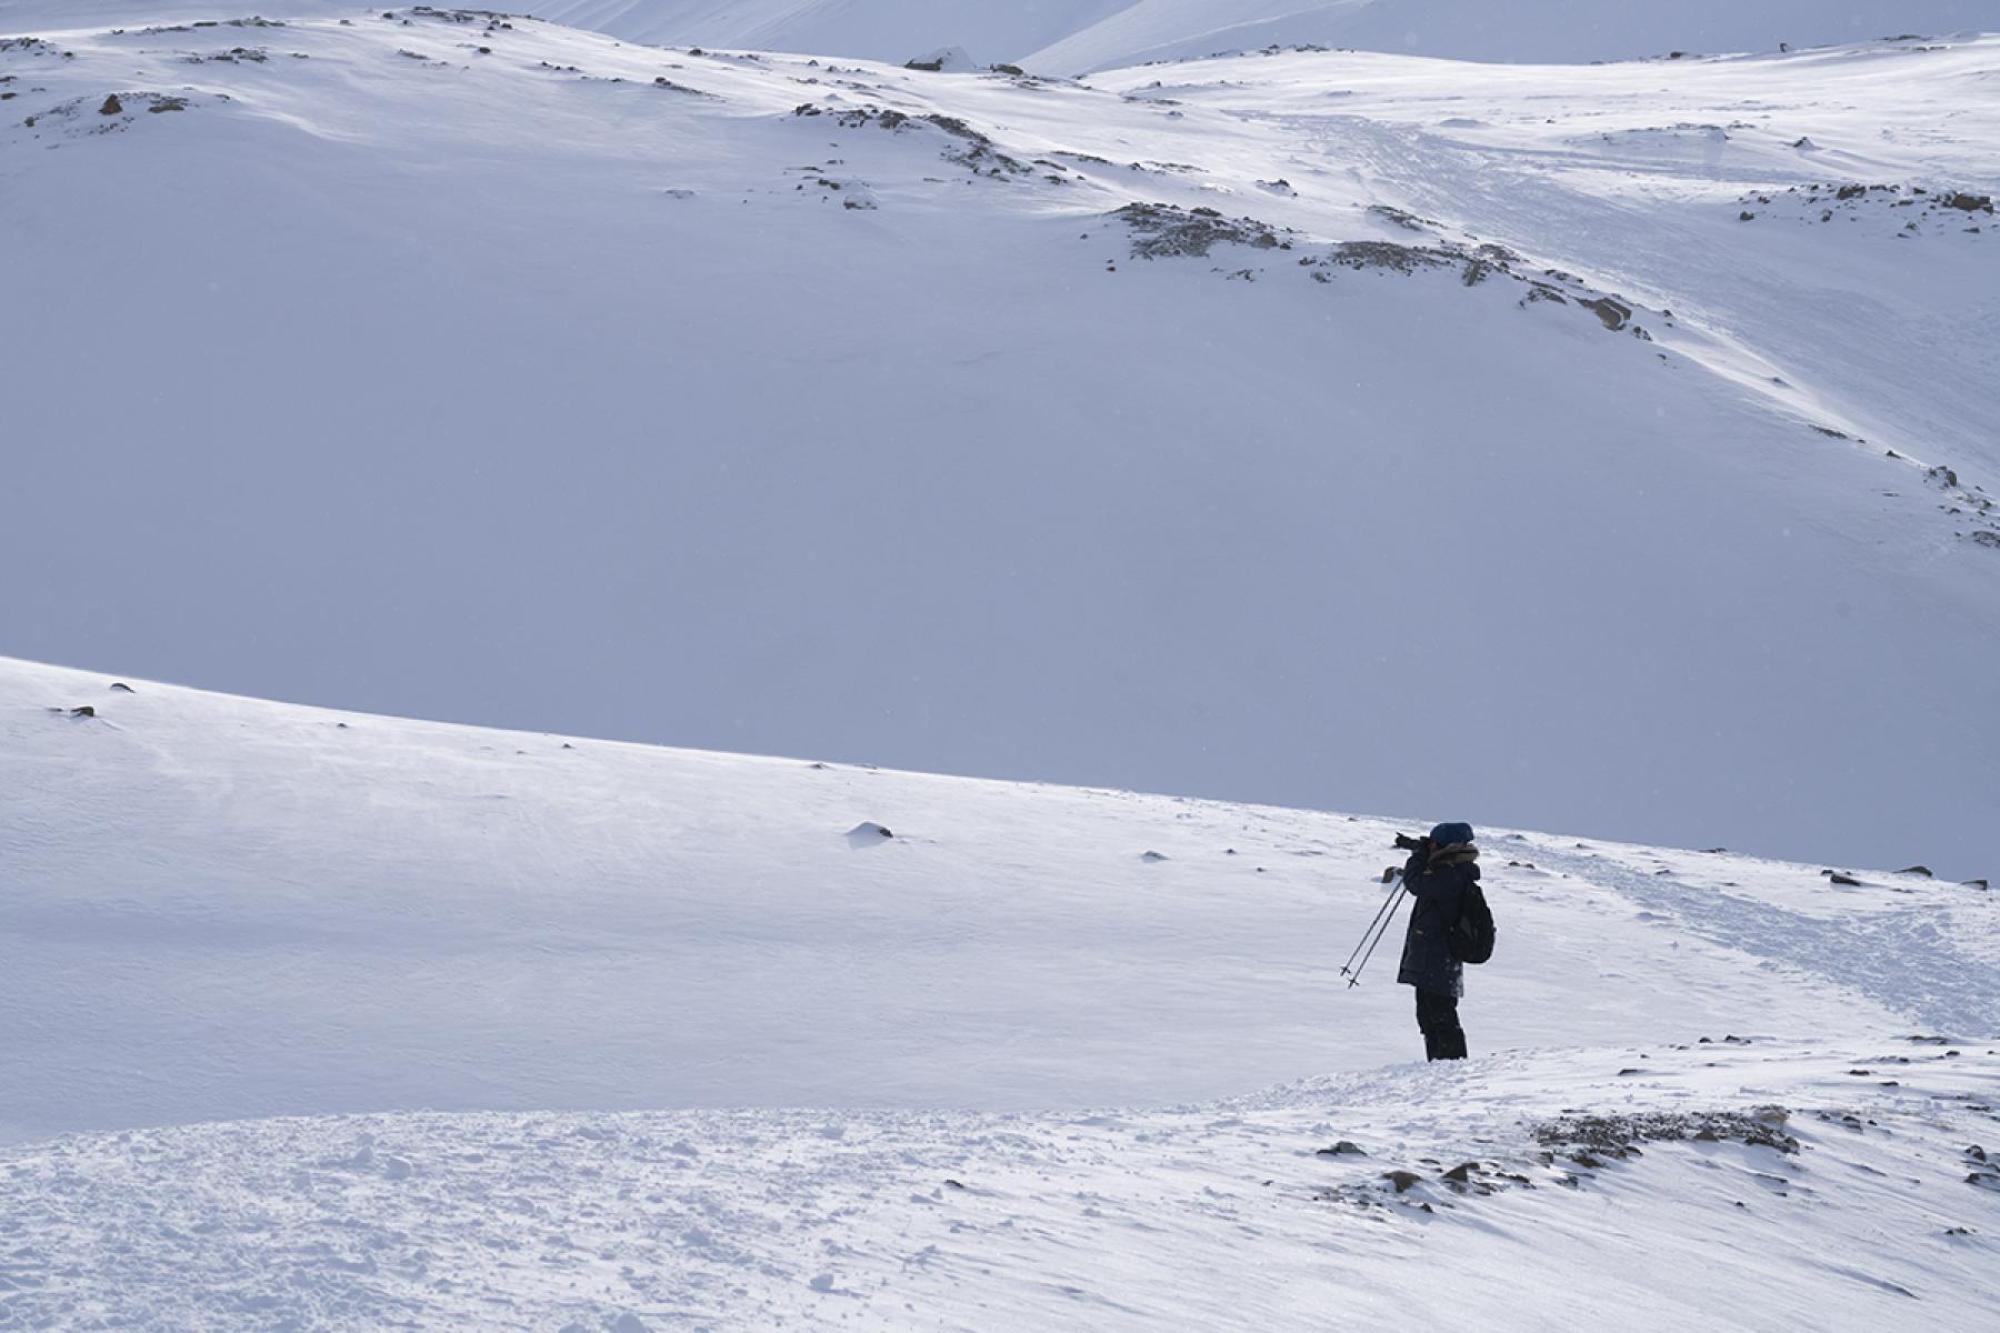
1434 898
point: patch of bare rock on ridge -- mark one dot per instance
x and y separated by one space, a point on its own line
1569 1148
115 112
966 146
1907 210
1168 231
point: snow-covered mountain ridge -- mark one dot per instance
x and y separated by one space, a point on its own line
780 404
502 990
1064 37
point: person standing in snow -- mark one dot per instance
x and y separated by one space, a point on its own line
1437 875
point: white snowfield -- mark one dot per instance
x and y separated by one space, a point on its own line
501 1030
1595 447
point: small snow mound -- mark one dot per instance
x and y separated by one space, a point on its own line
868 833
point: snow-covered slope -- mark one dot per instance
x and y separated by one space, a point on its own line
505 373
571 956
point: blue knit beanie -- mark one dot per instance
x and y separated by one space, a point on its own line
1450 835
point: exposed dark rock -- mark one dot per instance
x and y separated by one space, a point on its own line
1166 231
112 106
86 710
1617 1135
1402 1180
1408 221
1613 312
120 687
1925 871
1389 255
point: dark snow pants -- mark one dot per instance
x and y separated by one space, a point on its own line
1437 1016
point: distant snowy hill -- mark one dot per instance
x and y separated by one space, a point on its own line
465 1014
1072 36
1568 31
1347 431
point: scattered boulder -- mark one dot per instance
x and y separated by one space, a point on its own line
112 106
868 832
1925 871
1150 857
945 60
85 711
120 687
1345 1148
1402 1180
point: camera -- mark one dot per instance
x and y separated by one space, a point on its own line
1406 843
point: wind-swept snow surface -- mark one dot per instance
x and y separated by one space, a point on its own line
222 908
449 956
1472 454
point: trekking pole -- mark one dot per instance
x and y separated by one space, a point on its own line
1344 967
1355 980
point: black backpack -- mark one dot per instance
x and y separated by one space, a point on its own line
1470 938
